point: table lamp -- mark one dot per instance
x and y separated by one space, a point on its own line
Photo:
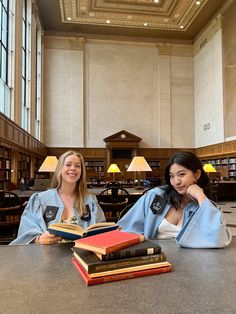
211 171
139 164
209 168
49 164
113 169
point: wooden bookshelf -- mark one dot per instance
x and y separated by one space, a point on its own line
24 167
5 168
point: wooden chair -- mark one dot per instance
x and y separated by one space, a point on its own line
125 210
11 209
113 200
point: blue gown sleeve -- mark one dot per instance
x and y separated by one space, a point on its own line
205 228
133 220
32 222
97 214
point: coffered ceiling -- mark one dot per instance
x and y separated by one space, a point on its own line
174 19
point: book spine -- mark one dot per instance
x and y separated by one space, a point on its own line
124 276
123 245
100 280
129 262
129 253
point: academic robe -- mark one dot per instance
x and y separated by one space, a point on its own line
45 208
203 225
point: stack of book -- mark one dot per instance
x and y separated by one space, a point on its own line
117 255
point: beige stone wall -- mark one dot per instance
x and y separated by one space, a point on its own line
63 92
229 70
182 102
107 86
122 91
208 86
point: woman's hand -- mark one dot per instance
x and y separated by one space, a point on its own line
196 192
47 238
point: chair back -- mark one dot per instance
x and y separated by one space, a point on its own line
11 209
113 200
125 210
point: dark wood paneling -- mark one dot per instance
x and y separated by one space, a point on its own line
13 136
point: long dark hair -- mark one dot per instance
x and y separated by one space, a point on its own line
193 163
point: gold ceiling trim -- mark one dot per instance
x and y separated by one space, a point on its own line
165 15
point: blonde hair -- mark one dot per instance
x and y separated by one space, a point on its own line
80 187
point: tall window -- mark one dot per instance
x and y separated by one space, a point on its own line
25 110
4 4
38 85
4 90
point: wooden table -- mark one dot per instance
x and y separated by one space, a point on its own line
41 279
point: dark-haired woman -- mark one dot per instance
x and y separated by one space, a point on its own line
182 209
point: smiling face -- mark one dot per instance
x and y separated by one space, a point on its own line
181 178
71 170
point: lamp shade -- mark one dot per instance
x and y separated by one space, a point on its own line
209 168
139 163
113 168
49 164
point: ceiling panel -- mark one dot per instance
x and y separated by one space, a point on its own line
175 19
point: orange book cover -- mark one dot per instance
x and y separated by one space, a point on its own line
110 278
108 242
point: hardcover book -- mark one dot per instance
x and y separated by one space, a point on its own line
110 278
108 242
74 232
93 264
147 247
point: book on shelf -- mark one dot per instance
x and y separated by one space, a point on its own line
116 277
108 242
93 264
147 247
74 232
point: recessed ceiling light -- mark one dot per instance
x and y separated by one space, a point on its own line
145 24
198 2
181 26
108 21
69 18
156 1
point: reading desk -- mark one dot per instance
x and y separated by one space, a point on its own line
134 193
41 279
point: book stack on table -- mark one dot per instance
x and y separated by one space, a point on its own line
117 255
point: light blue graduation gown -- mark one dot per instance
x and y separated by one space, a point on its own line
45 208
203 225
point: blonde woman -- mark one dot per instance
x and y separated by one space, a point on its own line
66 201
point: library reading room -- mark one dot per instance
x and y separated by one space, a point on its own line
117 156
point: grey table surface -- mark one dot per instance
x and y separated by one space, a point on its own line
42 279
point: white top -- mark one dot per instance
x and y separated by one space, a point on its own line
167 230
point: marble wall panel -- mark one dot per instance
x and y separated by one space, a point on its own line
182 102
121 84
208 91
63 97
229 63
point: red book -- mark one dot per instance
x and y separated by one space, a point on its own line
110 278
108 242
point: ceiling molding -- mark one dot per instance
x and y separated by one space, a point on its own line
168 19
165 15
